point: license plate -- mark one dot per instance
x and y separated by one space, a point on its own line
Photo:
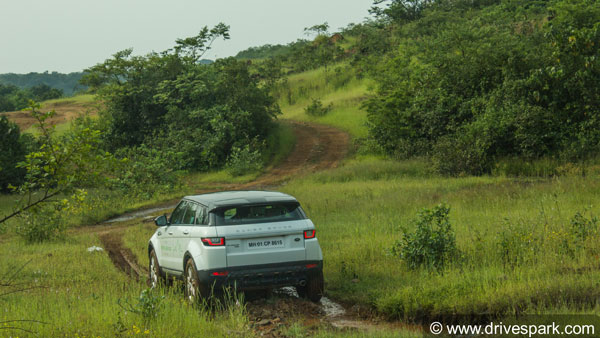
265 243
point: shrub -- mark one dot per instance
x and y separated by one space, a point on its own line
148 305
40 224
316 108
433 243
243 161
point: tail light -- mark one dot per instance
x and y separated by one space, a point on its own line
310 266
308 234
213 241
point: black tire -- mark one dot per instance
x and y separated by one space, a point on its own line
313 290
155 278
194 290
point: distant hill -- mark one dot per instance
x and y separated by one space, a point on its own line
68 83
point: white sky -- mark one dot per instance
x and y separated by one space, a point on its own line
71 35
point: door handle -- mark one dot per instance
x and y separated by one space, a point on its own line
185 232
170 232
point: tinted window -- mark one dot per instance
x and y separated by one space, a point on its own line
202 216
248 214
190 213
177 215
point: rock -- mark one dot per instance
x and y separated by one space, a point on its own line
94 249
263 322
355 280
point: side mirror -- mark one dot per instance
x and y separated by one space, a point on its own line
161 221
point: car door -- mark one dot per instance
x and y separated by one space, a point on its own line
183 232
168 242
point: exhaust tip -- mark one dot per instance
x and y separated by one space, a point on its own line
302 283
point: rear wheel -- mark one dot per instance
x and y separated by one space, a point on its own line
314 287
194 289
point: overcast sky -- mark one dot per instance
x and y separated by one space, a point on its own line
71 35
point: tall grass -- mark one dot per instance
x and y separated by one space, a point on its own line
77 294
359 213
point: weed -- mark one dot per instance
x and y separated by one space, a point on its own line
316 108
582 227
433 243
148 304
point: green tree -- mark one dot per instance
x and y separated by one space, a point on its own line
13 152
55 170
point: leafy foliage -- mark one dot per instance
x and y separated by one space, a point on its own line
171 102
13 152
57 167
243 161
473 83
65 83
13 98
433 244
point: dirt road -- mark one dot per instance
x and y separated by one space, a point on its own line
317 147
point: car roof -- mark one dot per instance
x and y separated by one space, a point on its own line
228 198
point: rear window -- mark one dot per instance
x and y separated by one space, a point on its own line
265 213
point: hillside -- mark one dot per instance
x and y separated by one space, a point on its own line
66 110
68 83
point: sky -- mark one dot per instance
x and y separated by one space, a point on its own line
71 35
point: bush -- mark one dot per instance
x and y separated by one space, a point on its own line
459 155
316 108
433 244
243 161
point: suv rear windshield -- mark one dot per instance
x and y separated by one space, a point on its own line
264 213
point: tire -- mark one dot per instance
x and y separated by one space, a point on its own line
155 277
313 290
193 288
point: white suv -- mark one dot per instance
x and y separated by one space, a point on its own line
241 239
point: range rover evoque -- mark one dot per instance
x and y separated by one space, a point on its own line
240 239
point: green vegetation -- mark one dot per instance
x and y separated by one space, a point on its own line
518 240
506 90
338 87
12 98
75 293
14 148
470 83
170 101
65 83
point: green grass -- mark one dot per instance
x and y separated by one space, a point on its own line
343 90
360 208
77 294
78 99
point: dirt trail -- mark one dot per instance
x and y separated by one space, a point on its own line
318 147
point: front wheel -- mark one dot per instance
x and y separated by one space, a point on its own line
154 271
314 287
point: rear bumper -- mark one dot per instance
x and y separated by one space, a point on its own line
262 276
